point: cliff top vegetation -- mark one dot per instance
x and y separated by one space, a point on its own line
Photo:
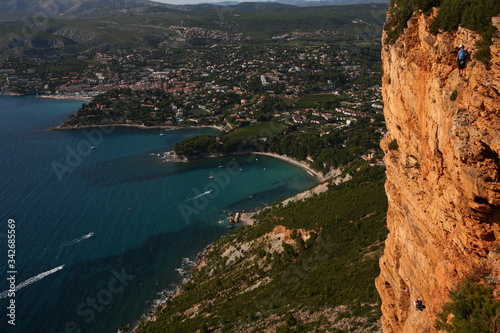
471 309
471 14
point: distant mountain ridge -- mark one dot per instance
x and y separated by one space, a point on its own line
32 28
76 6
307 3
100 6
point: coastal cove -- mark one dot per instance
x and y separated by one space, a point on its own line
99 244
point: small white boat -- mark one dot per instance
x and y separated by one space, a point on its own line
93 147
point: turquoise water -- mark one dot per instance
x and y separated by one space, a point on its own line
100 231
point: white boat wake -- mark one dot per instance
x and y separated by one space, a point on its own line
200 195
77 240
32 280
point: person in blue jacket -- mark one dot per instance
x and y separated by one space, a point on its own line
461 59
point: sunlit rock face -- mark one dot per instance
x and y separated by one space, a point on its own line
443 181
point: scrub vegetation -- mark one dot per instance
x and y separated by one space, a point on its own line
471 14
317 277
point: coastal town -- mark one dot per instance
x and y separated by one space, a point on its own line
272 81
236 84
231 166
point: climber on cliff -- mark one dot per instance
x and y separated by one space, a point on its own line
418 304
461 59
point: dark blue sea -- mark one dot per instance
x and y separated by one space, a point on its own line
102 221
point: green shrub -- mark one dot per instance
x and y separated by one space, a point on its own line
290 320
397 22
393 145
454 95
401 11
288 251
284 329
204 328
483 52
473 308
312 239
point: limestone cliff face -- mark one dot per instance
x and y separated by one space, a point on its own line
443 182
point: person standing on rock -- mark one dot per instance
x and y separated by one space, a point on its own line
418 304
461 59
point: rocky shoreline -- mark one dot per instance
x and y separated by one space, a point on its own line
248 219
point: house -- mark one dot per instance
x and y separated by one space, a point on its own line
297 119
367 157
327 116
264 81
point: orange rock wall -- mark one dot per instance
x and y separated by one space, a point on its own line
443 182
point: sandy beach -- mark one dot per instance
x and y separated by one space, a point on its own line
67 97
304 165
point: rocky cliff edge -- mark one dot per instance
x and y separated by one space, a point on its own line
443 180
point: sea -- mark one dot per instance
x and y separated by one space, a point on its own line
96 226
